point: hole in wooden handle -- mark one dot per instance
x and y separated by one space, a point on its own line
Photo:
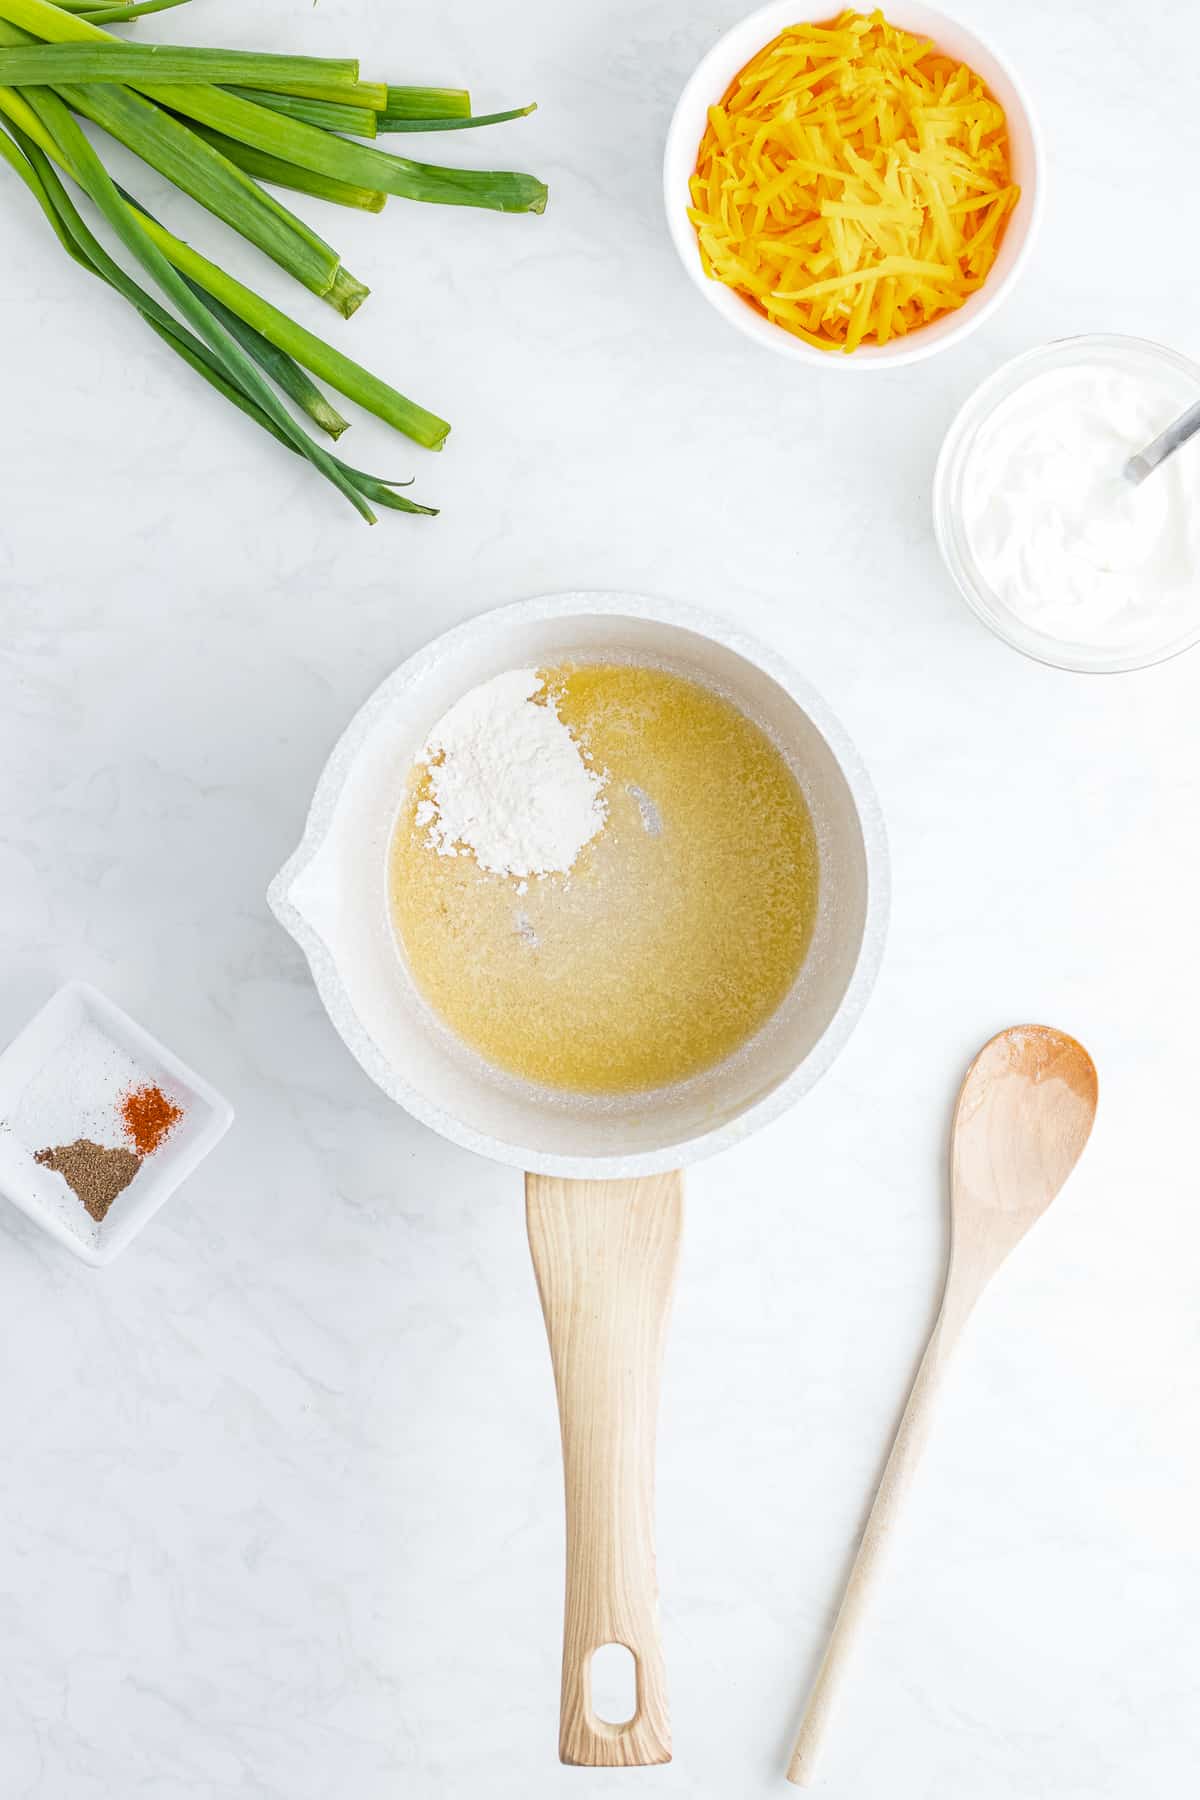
613 1680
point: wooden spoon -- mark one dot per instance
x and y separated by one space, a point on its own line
1023 1117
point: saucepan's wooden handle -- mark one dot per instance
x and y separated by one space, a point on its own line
605 1253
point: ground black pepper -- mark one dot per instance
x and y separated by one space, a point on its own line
96 1174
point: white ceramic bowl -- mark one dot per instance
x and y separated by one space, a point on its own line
332 897
1154 363
709 83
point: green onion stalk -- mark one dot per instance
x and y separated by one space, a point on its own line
218 124
47 131
44 119
428 103
30 163
237 367
106 59
329 115
292 140
282 174
100 14
199 168
388 121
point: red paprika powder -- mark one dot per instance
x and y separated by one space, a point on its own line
149 1117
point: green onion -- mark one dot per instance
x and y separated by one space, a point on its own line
130 227
428 103
202 171
18 161
330 115
23 116
284 372
199 169
97 14
216 123
364 93
370 486
318 357
360 164
83 247
109 59
60 28
79 52
122 15
287 175
295 142
402 122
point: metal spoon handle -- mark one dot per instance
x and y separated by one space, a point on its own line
1165 444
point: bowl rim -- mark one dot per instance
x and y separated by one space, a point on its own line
717 61
976 409
337 772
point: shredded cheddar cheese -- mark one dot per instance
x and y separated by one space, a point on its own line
854 182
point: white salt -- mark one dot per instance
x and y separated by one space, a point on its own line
77 1093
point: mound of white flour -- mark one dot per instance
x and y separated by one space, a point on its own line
508 783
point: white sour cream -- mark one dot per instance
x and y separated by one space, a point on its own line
1060 538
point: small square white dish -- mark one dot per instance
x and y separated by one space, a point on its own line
43 1195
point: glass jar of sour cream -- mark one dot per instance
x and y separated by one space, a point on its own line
1047 541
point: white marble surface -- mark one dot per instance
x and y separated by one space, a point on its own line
281 1504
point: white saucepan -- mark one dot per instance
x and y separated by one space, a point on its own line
603 1192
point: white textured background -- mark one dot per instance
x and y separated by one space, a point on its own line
280 1513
